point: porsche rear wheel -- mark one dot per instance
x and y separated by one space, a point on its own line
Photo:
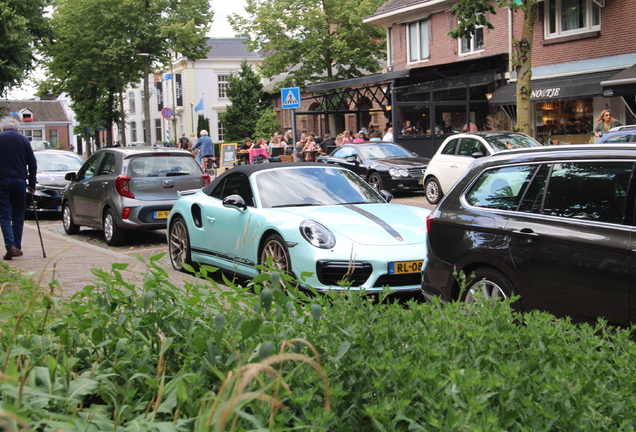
179 246
276 248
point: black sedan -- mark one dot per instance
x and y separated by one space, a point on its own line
52 167
383 165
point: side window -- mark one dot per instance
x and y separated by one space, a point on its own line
449 148
500 188
468 146
237 184
618 139
588 190
108 164
90 168
345 152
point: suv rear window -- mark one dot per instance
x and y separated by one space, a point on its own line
162 166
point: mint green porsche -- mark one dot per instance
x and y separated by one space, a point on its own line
309 218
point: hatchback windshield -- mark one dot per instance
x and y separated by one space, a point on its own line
381 151
58 162
295 187
511 141
162 166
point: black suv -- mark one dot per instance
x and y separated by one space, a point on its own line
554 225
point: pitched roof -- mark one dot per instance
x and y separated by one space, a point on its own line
392 5
229 47
43 110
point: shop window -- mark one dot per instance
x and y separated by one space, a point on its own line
223 84
418 41
133 131
414 120
566 17
569 121
131 102
473 44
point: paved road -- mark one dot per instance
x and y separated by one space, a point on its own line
69 259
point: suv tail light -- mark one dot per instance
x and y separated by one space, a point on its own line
429 222
122 187
206 179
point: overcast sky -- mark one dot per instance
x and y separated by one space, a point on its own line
220 28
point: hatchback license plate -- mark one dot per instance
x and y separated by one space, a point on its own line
404 267
161 214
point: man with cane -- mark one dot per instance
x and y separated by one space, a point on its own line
16 165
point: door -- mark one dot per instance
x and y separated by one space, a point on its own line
464 157
82 191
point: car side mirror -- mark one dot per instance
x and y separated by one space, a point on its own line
70 176
352 159
388 196
478 155
236 202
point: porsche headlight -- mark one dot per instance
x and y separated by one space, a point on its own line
398 172
317 235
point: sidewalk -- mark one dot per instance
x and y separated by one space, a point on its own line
70 261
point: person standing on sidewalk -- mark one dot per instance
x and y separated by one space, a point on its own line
16 165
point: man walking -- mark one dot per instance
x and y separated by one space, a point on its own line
17 157
206 147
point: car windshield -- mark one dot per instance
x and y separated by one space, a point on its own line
510 142
382 151
313 186
161 166
58 162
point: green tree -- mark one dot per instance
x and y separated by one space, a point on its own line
471 13
267 125
312 40
203 123
248 101
24 30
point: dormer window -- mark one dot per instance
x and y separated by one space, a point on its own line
25 115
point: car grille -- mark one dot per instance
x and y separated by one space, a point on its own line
332 272
417 172
399 280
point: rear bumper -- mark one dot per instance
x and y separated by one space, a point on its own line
437 279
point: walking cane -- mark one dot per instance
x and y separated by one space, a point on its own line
37 222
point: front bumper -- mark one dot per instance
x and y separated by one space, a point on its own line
403 183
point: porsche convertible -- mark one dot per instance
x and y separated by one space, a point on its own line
302 218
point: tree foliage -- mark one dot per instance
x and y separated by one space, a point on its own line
24 29
312 40
248 101
267 125
471 13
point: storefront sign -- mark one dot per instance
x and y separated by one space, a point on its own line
546 93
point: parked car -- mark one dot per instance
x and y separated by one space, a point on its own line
457 152
308 217
383 165
123 189
620 134
554 226
53 165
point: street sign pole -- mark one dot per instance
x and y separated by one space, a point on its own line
293 144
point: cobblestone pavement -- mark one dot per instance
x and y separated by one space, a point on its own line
69 259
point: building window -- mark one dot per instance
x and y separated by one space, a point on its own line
223 84
221 133
53 136
473 44
158 129
133 131
566 17
418 41
131 102
389 45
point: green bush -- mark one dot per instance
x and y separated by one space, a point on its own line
198 358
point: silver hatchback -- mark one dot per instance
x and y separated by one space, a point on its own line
127 189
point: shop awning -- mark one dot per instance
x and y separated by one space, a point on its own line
553 89
352 82
621 84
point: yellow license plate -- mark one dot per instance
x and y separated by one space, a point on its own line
404 267
162 214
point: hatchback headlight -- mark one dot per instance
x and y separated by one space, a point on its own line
398 172
316 234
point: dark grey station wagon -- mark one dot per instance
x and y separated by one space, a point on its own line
555 226
123 189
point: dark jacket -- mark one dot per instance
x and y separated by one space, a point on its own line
17 155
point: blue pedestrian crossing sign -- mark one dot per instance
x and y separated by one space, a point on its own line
290 97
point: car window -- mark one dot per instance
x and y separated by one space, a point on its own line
500 188
449 148
90 167
468 146
617 139
588 190
381 151
161 166
58 162
237 184
344 152
108 164
510 142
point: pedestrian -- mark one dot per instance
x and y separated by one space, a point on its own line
205 146
184 142
71 147
193 140
327 143
605 122
388 136
16 165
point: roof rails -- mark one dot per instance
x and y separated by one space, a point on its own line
620 128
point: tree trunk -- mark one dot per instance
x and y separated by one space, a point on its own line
524 68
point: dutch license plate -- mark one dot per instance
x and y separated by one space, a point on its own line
59 208
163 214
404 267
420 181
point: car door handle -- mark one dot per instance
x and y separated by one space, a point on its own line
453 166
104 183
527 233
211 219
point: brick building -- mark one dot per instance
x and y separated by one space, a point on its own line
42 120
